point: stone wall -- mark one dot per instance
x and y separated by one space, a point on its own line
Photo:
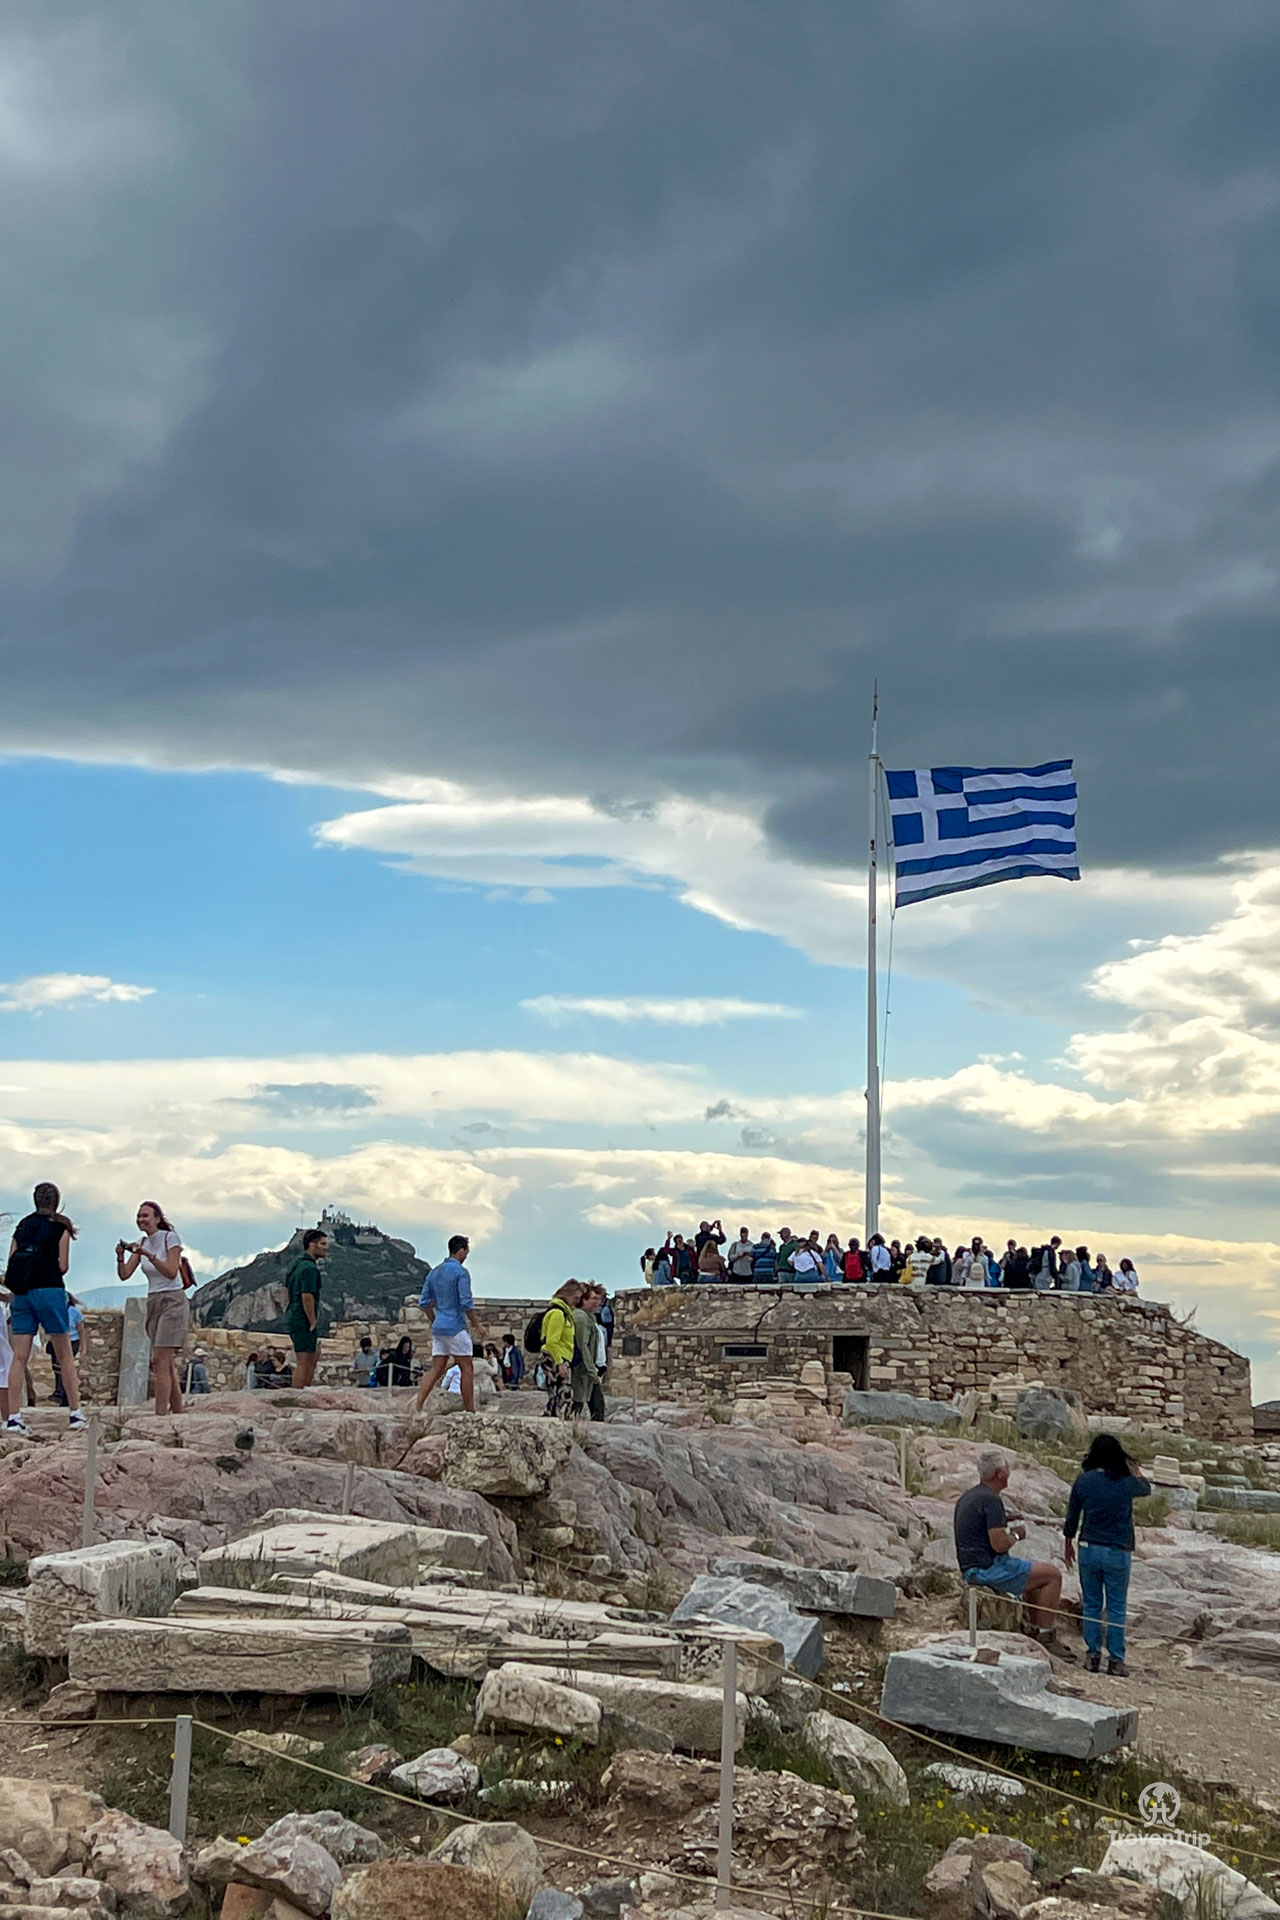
225 1350
1125 1357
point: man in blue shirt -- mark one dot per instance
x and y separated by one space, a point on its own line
446 1296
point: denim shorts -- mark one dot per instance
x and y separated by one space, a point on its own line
43 1307
1006 1574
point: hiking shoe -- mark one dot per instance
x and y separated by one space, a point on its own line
1119 1668
76 1420
16 1424
1093 1661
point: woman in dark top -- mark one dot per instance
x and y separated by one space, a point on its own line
395 1364
1101 1509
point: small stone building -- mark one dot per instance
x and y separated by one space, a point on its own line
1125 1357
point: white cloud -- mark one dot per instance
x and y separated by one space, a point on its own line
41 991
716 858
693 1012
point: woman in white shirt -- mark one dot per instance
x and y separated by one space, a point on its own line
159 1254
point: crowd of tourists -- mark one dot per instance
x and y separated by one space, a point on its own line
792 1259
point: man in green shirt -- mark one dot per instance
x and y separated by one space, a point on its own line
302 1316
787 1244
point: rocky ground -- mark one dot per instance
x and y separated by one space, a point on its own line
628 1515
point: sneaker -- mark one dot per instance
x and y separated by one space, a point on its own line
1119 1668
76 1420
1093 1661
16 1424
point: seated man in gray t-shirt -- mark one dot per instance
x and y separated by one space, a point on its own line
984 1539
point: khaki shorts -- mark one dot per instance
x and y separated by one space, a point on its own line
168 1318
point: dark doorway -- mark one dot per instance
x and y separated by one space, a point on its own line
850 1354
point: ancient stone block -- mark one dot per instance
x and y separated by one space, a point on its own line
363 1549
863 1408
1010 1703
241 1656
690 1715
741 1603
817 1589
515 1459
515 1699
119 1579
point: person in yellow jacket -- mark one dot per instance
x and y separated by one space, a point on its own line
558 1340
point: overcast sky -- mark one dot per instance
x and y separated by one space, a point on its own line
467 467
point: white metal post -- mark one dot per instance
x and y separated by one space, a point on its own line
728 1753
873 1043
348 1486
973 1617
903 1440
180 1778
89 1515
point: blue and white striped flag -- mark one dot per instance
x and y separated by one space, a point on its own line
958 827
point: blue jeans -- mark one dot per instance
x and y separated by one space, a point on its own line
1104 1577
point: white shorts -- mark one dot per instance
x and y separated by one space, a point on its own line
458 1344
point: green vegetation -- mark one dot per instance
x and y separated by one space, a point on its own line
13 1572
1250 1529
1151 1512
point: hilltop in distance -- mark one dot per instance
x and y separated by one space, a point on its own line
366 1276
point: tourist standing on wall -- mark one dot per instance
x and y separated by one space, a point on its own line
1125 1279
159 1254
853 1265
36 1277
1101 1509
879 1259
710 1261
742 1256
302 1315
446 1297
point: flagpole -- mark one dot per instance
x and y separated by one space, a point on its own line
872 1221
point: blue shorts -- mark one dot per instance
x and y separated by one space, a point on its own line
1006 1574
43 1307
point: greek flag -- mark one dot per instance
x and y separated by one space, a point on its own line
958 827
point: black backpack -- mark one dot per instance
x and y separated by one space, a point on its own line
533 1332
34 1260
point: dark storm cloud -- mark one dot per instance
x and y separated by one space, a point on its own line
618 392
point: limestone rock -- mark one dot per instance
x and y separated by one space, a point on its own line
510 1699
944 1690
1197 1879
1042 1414
691 1716
414 1890
741 1603
550 1904
232 1656
299 1869
438 1774
350 1844
793 1702
608 1899
45 1822
1116 1895
862 1408
69 1701
363 1550
18 1868
116 1580
974 1786
1002 1889
460 1552
144 1865
515 1459
213 1864
253 1749
371 1765
981 1849
1253 1653
504 1852
859 1763
241 1902
87 1896
817 1589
